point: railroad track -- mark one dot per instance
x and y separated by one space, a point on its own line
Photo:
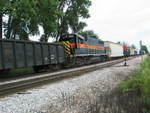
13 86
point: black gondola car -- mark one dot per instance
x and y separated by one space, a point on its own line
19 54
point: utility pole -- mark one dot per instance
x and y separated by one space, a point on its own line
141 50
1 26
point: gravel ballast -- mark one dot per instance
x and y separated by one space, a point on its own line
73 95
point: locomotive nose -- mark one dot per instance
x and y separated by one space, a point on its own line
67 46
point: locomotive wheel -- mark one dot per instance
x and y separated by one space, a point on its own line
56 67
102 59
48 68
37 68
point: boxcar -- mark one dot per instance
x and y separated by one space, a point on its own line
19 54
113 50
132 51
136 52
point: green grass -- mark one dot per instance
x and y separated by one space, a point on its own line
21 70
139 84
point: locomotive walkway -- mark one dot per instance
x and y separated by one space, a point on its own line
18 85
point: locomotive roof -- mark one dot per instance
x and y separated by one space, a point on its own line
113 42
79 36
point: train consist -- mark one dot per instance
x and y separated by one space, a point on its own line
71 50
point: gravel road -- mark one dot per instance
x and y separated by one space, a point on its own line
73 95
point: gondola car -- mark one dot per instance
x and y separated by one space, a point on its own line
20 54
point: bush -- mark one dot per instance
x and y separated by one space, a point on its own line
139 85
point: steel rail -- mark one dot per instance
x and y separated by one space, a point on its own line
14 86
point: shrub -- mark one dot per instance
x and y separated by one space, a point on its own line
139 85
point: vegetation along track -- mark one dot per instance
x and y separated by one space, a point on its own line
13 86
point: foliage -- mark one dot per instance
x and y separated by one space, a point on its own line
126 44
2 4
89 33
47 16
123 43
133 85
133 46
140 84
21 19
56 17
72 11
144 48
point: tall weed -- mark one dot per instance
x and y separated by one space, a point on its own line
139 85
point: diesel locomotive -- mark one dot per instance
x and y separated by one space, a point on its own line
83 50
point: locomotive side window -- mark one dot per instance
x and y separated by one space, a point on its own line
70 38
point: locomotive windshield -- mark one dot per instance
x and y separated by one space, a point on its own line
69 38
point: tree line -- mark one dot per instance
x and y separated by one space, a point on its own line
143 47
56 17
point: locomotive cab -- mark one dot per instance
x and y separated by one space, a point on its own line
68 37
72 42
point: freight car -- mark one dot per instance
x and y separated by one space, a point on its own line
132 51
126 51
136 52
19 54
83 50
113 50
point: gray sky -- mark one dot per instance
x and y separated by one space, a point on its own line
121 20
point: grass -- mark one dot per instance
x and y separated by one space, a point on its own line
139 85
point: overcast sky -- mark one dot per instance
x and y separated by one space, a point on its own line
121 20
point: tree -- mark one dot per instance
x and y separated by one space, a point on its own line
22 20
124 44
1 25
72 11
25 17
2 4
56 17
89 33
133 46
144 48
47 16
